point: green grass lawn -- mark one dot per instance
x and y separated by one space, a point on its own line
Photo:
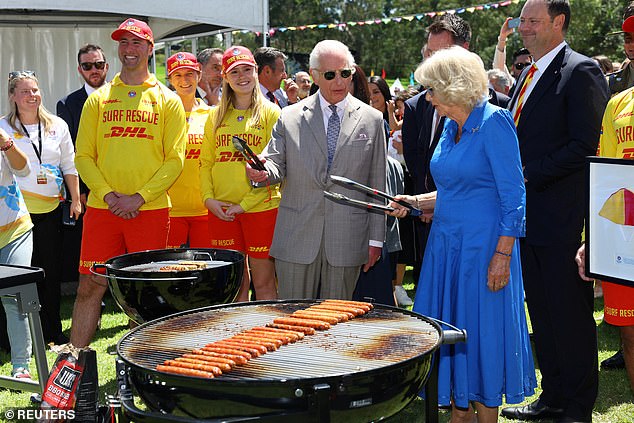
615 403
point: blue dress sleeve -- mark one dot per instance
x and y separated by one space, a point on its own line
502 150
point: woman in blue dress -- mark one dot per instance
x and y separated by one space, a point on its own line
471 274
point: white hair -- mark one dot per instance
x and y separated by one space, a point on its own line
329 46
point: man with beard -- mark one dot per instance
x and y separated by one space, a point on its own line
93 68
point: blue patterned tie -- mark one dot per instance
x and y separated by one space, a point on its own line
332 133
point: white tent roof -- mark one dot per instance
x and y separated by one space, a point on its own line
45 35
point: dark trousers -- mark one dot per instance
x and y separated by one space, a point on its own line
560 306
47 254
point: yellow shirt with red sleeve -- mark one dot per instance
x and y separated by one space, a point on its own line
131 139
185 193
222 175
617 141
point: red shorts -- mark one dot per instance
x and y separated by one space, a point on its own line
189 231
618 309
105 235
250 233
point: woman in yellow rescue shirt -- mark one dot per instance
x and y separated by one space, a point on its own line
241 217
188 215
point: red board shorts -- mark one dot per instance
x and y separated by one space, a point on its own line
618 308
192 231
251 233
105 235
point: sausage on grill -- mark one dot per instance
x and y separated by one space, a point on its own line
363 305
226 350
222 366
252 340
341 316
303 314
255 352
304 330
236 357
204 367
285 338
184 371
310 323
278 340
355 311
211 358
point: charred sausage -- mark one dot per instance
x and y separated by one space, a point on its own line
184 371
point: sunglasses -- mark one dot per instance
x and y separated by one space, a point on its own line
20 74
330 75
521 65
86 66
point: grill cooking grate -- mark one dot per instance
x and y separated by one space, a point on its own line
379 338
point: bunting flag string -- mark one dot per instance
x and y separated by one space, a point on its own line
385 21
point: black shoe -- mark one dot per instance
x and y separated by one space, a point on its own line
60 339
536 410
615 362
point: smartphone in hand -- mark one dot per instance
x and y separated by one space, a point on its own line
514 23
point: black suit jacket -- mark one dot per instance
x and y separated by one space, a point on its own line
559 126
417 147
69 108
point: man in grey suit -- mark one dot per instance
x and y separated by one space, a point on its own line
320 245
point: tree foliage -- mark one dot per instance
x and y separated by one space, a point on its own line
396 47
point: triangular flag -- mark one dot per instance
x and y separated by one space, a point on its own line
383 73
412 82
372 72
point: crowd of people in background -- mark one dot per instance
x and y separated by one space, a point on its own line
494 159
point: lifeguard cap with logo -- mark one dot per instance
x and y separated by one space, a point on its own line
628 24
135 27
182 60
237 55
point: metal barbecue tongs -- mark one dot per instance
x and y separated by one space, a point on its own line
242 146
372 191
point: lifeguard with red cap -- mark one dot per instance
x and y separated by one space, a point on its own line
188 215
130 150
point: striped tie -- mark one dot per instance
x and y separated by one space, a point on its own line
520 99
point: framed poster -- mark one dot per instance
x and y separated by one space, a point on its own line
610 220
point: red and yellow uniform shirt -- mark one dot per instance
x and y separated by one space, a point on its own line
131 139
223 175
185 193
617 141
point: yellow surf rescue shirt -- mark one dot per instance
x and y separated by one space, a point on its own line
131 139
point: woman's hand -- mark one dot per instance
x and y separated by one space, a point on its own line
580 259
234 209
399 210
218 209
499 272
75 209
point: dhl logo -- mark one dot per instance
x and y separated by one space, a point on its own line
628 153
128 132
258 249
193 154
228 156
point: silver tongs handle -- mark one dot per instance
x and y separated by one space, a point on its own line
370 206
343 180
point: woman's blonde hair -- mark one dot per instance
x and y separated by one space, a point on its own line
226 101
44 116
456 76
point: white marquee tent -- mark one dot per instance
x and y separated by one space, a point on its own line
45 35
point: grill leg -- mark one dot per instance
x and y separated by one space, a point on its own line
431 391
322 406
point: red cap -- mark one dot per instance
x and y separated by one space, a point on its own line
135 27
628 24
237 55
182 60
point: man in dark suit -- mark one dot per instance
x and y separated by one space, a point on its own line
558 115
421 124
93 68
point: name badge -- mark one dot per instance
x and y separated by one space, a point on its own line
41 177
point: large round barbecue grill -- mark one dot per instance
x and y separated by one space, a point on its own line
362 370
